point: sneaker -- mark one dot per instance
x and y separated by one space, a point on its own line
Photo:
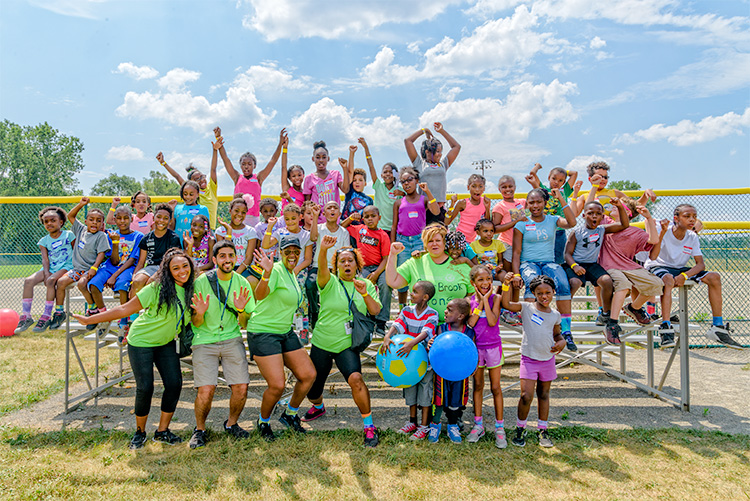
371 437
612 333
519 438
571 345
544 440
454 434
90 312
602 318
198 439
500 441
313 413
421 433
122 335
41 325
434 433
24 323
265 431
720 333
292 422
666 333
510 318
476 433
235 430
640 315
138 440
58 318
408 428
166 437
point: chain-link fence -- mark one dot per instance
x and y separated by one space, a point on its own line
725 243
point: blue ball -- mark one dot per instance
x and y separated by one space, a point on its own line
402 372
454 356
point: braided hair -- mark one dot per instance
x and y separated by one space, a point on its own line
539 280
455 240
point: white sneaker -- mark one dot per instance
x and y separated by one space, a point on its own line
720 333
408 428
500 441
476 433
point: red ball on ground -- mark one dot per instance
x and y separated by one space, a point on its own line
8 322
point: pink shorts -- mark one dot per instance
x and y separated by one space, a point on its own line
538 370
491 358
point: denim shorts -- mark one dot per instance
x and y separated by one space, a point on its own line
552 270
411 244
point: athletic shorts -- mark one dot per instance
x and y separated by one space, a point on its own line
451 394
508 253
421 393
149 270
105 273
660 271
491 358
265 344
594 272
231 354
646 283
75 274
538 370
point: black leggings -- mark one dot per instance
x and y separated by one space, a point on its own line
347 362
142 361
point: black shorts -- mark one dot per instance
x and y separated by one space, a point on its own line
594 272
347 361
660 271
435 218
265 344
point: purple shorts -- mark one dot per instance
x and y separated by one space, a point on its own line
491 358
538 370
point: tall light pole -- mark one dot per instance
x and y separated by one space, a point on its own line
483 164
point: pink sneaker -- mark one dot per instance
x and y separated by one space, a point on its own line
421 433
408 428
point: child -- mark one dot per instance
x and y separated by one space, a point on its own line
458 250
472 209
598 173
186 211
268 209
152 248
248 185
428 164
387 191
117 271
292 218
143 219
243 236
418 321
291 180
485 313
541 341
375 246
489 250
410 218
91 248
617 257
199 243
582 256
322 186
310 213
355 200
678 245
450 396
56 249
534 253
505 214
562 180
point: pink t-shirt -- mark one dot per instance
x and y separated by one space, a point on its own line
506 209
142 225
469 217
250 189
297 196
322 191
619 249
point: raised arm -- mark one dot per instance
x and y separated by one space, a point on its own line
394 228
570 220
430 202
653 233
262 175
455 147
392 277
409 143
215 147
119 311
324 274
284 178
456 207
172 172
233 174
506 294
624 219
74 211
111 213
368 157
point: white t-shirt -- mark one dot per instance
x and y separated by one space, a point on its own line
538 332
303 235
240 238
676 253
342 240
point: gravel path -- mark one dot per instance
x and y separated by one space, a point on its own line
581 394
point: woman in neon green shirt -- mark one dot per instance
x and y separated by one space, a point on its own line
272 340
151 340
332 338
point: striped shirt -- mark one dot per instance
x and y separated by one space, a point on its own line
412 324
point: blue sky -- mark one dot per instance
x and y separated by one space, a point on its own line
660 89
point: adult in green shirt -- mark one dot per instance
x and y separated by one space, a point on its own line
332 337
451 280
221 303
272 340
387 189
151 340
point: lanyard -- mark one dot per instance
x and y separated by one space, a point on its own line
295 286
182 316
349 298
226 300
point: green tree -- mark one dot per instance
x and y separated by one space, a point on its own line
624 185
158 184
38 160
114 185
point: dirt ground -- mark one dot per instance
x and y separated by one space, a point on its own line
581 396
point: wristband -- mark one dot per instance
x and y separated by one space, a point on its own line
256 268
269 233
95 268
476 312
265 278
572 265
368 157
283 150
505 287
111 209
517 275
163 163
423 132
115 241
564 206
365 294
685 275
229 234
432 200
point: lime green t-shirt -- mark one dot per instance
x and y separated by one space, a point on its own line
210 199
451 281
330 330
384 200
152 328
215 328
275 313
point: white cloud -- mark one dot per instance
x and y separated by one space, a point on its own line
580 163
687 132
73 8
484 8
350 19
137 72
719 71
597 43
124 153
176 79
269 77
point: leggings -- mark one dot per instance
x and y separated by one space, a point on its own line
142 361
347 362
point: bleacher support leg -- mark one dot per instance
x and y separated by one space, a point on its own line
684 349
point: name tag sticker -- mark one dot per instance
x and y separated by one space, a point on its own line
530 227
687 250
537 319
519 206
142 224
413 214
193 211
593 237
57 244
81 244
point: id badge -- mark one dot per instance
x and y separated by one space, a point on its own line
348 327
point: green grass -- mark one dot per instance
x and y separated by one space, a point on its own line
585 463
18 270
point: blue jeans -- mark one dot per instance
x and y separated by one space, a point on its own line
411 244
560 240
552 270
384 293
